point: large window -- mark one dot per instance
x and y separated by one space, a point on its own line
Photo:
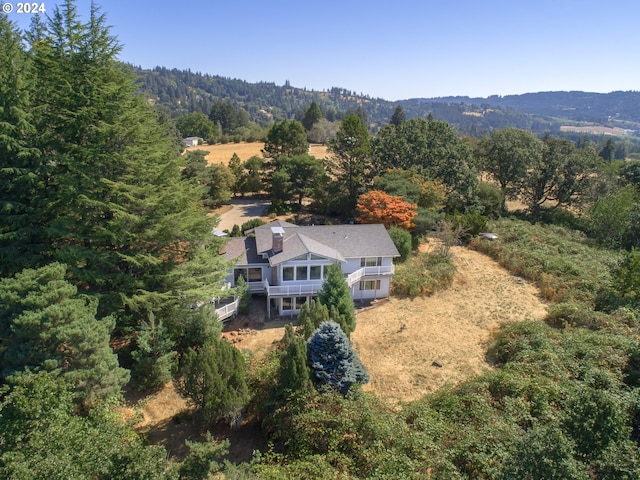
371 262
249 274
315 272
301 272
370 285
287 274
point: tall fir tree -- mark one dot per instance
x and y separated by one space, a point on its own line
22 240
117 211
154 356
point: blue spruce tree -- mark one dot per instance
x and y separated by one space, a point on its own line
333 361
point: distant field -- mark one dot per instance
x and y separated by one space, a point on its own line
222 153
595 129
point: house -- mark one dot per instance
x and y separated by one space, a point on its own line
192 141
287 263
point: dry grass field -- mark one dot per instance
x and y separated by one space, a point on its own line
411 347
222 153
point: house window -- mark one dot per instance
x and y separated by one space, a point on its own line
287 304
370 285
315 272
287 274
301 272
249 274
300 301
371 262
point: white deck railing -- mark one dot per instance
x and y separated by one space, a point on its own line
296 290
358 275
228 310
301 289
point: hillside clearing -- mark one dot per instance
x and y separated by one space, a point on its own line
222 152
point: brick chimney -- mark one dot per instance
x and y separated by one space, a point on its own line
277 236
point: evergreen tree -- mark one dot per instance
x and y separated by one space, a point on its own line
22 240
398 116
43 438
333 361
114 205
294 374
235 164
311 116
312 315
45 325
335 294
154 356
285 139
213 379
195 327
204 459
350 161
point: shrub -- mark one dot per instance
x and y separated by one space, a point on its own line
402 240
490 199
423 274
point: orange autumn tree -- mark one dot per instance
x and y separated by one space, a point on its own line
378 207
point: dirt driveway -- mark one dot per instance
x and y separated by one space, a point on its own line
243 209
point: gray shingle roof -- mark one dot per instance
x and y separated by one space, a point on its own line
348 241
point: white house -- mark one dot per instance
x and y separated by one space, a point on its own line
192 141
287 263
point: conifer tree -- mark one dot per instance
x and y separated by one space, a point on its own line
294 374
335 294
154 356
333 361
21 234
46 325
114 206
213 379
311 316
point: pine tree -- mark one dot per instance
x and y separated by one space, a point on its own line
154 356
335 294
213 379
398 116
45 325
333 361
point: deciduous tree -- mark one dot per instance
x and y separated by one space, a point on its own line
507 155
378 207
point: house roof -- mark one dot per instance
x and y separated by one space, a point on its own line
244 250
337 242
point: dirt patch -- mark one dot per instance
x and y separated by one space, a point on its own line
222 153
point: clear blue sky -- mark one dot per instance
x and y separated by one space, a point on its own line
390 49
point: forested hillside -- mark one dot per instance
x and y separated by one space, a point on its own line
182 92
